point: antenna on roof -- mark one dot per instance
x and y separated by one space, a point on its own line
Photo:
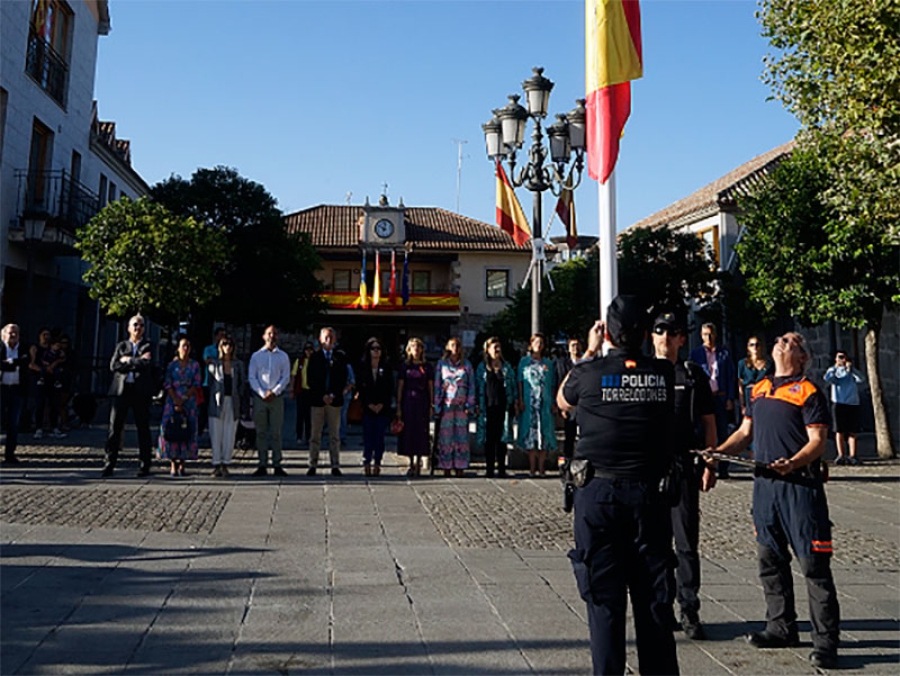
349 197
459 159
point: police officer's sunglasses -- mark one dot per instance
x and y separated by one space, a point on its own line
661 329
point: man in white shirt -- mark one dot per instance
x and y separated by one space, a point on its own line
269 376
12 364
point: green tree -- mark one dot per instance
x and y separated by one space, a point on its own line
269 276
145 259
833 209
667 268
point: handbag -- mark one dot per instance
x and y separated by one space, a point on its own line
177 430
396 426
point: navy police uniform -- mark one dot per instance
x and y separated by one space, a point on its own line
623 533
693 399
792 510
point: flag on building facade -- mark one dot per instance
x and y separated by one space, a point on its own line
404 287
510 216
363 291
40 19
376 293
613 58
392 293
565 209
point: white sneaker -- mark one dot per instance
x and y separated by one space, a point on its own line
59 434
39 434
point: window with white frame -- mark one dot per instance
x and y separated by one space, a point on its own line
496 284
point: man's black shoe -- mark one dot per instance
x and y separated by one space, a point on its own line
824 659
311 471
10 460
107 471
279 472
763 639
335 471
690 624
260 471
144 471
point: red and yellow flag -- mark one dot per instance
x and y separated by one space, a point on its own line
376 294
565 209
613 58
510 216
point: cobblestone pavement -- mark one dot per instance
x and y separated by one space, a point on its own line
190 510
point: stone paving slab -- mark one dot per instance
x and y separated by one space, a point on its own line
380 576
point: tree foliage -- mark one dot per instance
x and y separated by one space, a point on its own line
269 276
667 268
821 235
145 259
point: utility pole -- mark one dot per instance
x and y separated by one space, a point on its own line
459 159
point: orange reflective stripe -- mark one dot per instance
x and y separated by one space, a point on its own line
822 546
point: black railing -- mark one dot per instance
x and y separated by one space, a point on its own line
53 196
47 67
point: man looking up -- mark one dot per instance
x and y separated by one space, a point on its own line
269 375
787 420
693 412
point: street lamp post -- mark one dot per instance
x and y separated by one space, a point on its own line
504 135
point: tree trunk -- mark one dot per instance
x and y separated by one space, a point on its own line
884 440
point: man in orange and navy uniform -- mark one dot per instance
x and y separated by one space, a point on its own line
787 420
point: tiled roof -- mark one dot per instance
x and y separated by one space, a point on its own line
427 228
718 195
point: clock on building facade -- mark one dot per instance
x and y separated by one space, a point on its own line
384 228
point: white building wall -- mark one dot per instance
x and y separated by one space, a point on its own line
473 276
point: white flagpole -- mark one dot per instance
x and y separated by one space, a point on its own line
609 278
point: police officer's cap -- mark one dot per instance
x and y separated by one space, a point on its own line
669 320
626 320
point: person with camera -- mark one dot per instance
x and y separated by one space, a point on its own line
623 528
845 382
695 429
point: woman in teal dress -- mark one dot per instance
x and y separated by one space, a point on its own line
537 389
495 396
182 384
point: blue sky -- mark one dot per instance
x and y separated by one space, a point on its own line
316 100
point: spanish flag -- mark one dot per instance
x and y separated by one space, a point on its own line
565 209
510 216
613 58
376 294
363 291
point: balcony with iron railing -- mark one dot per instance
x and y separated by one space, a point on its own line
45 65
60 204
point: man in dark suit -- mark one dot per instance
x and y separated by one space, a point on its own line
132 387
564 364
327 379
13 367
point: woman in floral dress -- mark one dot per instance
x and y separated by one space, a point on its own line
537 388
181 384
454 400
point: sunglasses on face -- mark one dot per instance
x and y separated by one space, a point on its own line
375 348
754 344
660 330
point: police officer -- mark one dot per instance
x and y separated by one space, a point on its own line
694 416
787 420
623 530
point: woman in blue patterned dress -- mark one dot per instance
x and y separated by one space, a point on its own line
537 387
454 400
181 384
495 386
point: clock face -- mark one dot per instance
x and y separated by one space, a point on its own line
384 228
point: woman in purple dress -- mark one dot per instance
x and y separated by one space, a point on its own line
415 392
182 384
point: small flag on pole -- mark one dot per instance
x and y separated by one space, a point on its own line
613 58
565 209
363 291
376 294
404 287
510 216
392 294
